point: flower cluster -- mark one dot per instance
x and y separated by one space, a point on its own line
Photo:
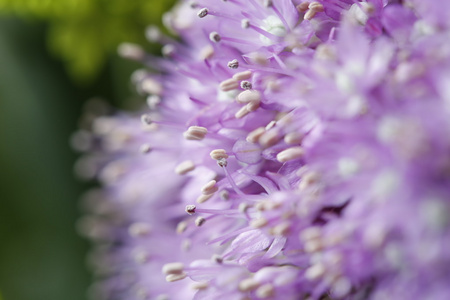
290 149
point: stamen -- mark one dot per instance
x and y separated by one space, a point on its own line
141 256
254 136
173 268
252 106
282 229
151 86
146 119
175 277
168 50
202 12
248 96
246 85
139 229
217 258
224 195
265 291
181 227
210 188
196 133
222 162
315 272
131 51
269 138
270 125
185 167
214 37
190 209
248 285
290 154
268 3
293 138
153 101
234 64
258 223
199 285
242 75
245 23
241 113
218 154
228 85
144 149
207 52
200 221
314 7
302 7
308 179
204 198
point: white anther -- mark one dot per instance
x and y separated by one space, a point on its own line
248 96
224 195
175 277
310 14
242 75
202 12
204 198
311 233
293 138
254 136
308 180
248 284
316 6
214 37
270 125
246 85
153 34
190 209
181 227
258 223
222 162
145 149
217 258
131 51
228 85
153 101
315 272
282 229
313 246
302 7
168 50
268 3
241 112
193 4
173 268
245 23
151 86
217 154
200 221
265 291
290 154
207 52
146 119
185 167
141 256
243 207
210 188
139 229
196 133
199 285
252 106
269 138
234 64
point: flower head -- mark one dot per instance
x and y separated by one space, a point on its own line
291 149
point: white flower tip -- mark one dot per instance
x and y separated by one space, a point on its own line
258 223
200 221
209 188
290 154
248 285
181 227
202 12
175 277
242 75
190 209
185 167
204 198
248 96
245 23
315 272
214 37
228 85
131 51
145 148
265 291
196 133
246 85
173 268
218 154
139 229
234 64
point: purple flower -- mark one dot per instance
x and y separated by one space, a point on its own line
289 150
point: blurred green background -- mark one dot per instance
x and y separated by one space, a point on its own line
55 55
